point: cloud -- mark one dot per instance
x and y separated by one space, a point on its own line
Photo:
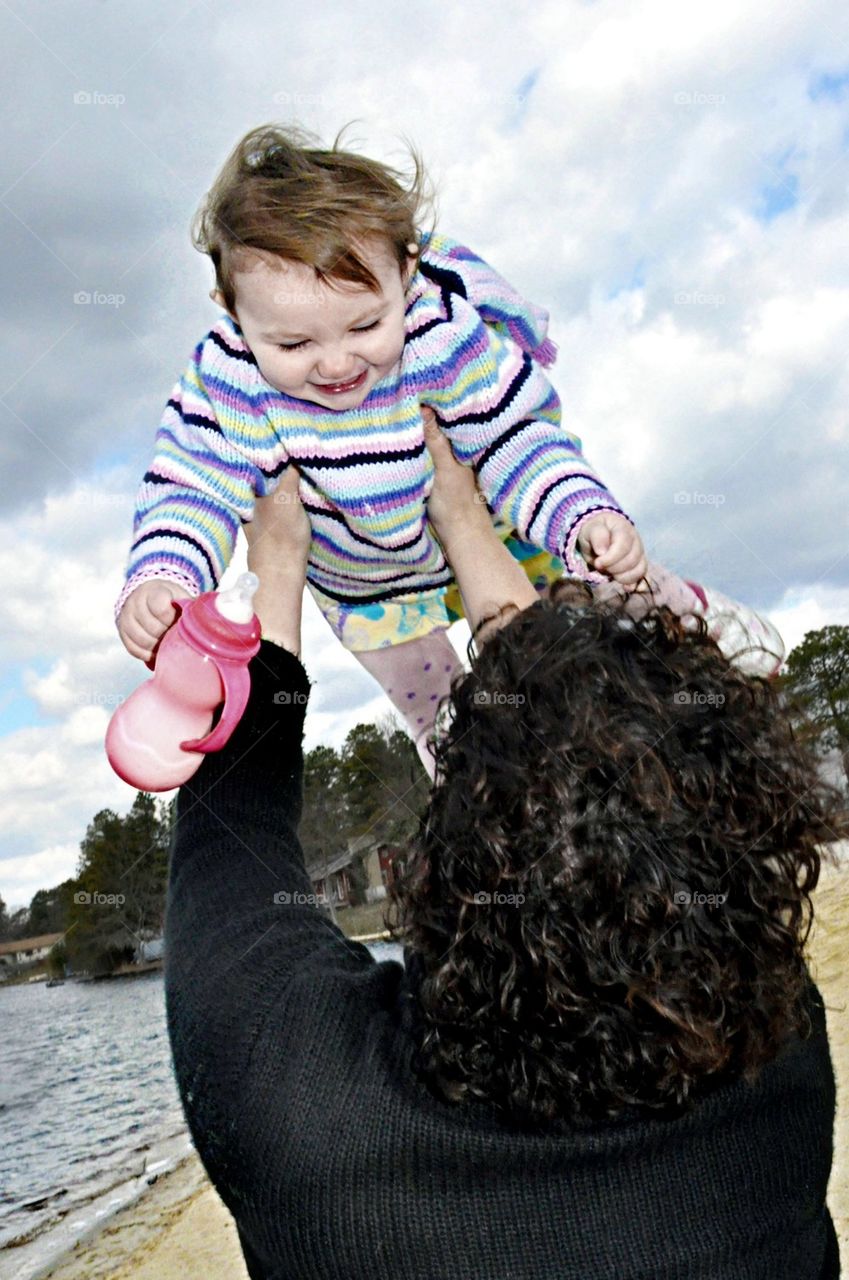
24 875
679 209
806 609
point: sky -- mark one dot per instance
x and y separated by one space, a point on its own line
670 181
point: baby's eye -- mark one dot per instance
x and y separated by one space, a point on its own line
295 346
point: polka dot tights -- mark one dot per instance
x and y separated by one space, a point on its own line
414 676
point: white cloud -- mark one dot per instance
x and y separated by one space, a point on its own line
808 609
631 164
26 874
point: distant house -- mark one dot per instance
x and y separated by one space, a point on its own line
26 952
365 861
150 949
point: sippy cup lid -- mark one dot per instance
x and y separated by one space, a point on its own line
235 603
231 633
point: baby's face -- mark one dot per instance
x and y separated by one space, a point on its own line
326 344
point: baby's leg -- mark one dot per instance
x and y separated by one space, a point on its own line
668 589
746 638
415 675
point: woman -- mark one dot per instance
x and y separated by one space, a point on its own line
603 1056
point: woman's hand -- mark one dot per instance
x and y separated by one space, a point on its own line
486 573
455 504
278 540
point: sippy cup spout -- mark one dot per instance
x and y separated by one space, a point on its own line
235 603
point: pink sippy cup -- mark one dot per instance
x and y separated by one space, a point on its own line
157 739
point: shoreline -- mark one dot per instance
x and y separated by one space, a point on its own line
147 1237
179 1229
48 1249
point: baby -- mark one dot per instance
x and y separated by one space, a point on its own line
342 323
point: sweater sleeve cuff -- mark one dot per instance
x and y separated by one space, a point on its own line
163 573
572 557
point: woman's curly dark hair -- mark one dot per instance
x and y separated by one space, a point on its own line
609 894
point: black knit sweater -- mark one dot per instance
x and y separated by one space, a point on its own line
293 1055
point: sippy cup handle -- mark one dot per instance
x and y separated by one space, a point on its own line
237 687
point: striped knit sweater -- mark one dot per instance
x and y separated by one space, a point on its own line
473 352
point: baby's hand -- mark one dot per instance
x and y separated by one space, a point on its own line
147 614
610 544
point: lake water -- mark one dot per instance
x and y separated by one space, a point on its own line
88 1101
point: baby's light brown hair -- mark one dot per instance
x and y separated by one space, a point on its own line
279 192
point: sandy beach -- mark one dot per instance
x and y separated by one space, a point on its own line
180 1230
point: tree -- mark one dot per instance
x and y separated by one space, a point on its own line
324 818
119 899
47 911
4 922
818 675
19 925
384 781
57 959
144 867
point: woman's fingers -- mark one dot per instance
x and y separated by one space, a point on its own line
280 523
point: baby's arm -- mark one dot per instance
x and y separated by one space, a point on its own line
502 417
198 490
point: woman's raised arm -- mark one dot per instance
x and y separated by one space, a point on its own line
487 574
